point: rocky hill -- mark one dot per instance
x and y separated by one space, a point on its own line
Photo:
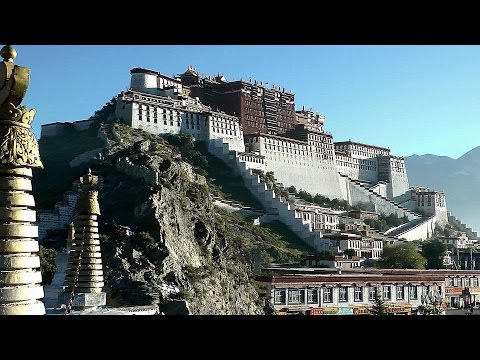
163 240
458 178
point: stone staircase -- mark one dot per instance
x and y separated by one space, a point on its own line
381 201
472 235
236 207
401 229
275 207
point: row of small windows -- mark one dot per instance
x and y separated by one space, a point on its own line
297 296
319 217
226 132
463 282
222 125
361 150
252 159
137 97
356 166
255 124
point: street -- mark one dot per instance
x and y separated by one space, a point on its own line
462 312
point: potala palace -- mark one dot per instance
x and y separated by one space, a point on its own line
253 127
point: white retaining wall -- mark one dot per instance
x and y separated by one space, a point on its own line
357 193
267 197
422 231
305 173
59 218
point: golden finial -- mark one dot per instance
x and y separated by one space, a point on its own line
8 53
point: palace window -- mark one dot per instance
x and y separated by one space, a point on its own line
474 282
387 293
312 296
327 295
296 296
400 293
280 296
358 293
343 294
372 292
413 292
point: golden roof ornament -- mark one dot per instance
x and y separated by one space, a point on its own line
88 196
18 146
8 53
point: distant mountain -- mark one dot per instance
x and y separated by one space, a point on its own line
459 179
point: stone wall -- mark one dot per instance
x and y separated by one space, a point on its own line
62 214
472 235
392 170
232 206
358 193
252 161
59 217
380 188
55 129
305 173
85 157
276 208
357 168
423 230
138 171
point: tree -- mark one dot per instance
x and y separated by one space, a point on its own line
325 253
47 264
349 253
379 307
402 256
292 189
433 251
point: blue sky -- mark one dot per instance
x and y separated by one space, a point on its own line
414 99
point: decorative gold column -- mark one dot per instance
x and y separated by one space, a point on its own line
20 278
84 271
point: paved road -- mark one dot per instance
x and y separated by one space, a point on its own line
461 312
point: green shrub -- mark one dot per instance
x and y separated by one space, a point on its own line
47 264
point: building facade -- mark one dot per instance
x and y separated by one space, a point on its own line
158 114
430 202
259 108
364 247
351 292
291 144
321 218
458 242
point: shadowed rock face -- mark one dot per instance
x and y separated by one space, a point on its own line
174 252
163 241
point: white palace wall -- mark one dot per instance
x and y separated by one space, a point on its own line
295 164
355 168
421 231
160 115
398 184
